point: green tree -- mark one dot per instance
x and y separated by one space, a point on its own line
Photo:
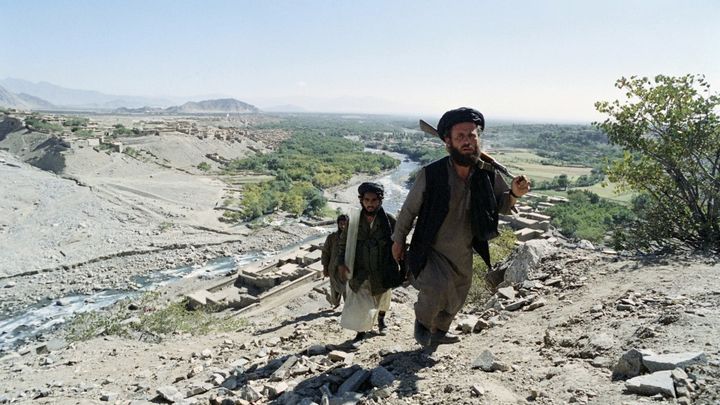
563 181
670 132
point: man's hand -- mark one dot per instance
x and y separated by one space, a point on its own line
344 272
520 186
398 251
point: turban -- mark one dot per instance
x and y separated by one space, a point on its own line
370 187
462 114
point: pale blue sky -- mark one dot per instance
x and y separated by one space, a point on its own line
542 60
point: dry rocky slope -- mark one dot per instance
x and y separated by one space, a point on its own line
93 219
556 337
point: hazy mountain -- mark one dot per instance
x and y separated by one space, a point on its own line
220 106
35 103
22 101
223 105
62 96
8 99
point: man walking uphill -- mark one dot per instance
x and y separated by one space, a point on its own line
456 200
374 270
329 262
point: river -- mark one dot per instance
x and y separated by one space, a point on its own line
45 317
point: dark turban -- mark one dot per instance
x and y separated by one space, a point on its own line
370 187
462 114
342 217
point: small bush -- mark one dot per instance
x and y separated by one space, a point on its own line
500 249
120 130
587 216
76 122
42 125
131 152
150 319
84 133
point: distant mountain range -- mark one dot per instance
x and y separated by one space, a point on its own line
22 94
219 106
73 98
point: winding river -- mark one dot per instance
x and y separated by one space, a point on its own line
42 318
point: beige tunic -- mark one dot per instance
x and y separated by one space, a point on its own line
445 280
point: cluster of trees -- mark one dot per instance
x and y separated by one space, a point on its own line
563 182
587 216
303 166
559 144
76 122
297 198
669 129
37 123
121 130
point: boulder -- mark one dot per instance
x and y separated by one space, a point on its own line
630 364
506 292
284 369
466 325
487 362
672 361
274 390
380 377
170 393
660 382
316 349
481 325
525 259
354 382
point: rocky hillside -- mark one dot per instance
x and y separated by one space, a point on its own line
584 326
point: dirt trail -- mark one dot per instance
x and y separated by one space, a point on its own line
551 353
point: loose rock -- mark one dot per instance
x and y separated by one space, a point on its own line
656 383
381 377
674 360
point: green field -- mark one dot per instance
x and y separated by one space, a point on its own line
520 161
609 193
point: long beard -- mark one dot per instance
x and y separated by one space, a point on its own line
462 159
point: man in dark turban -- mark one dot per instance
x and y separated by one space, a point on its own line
375 269
456 201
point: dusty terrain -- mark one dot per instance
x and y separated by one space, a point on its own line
94 219
109 217
561 352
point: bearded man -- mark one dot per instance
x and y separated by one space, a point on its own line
456 200
374 269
